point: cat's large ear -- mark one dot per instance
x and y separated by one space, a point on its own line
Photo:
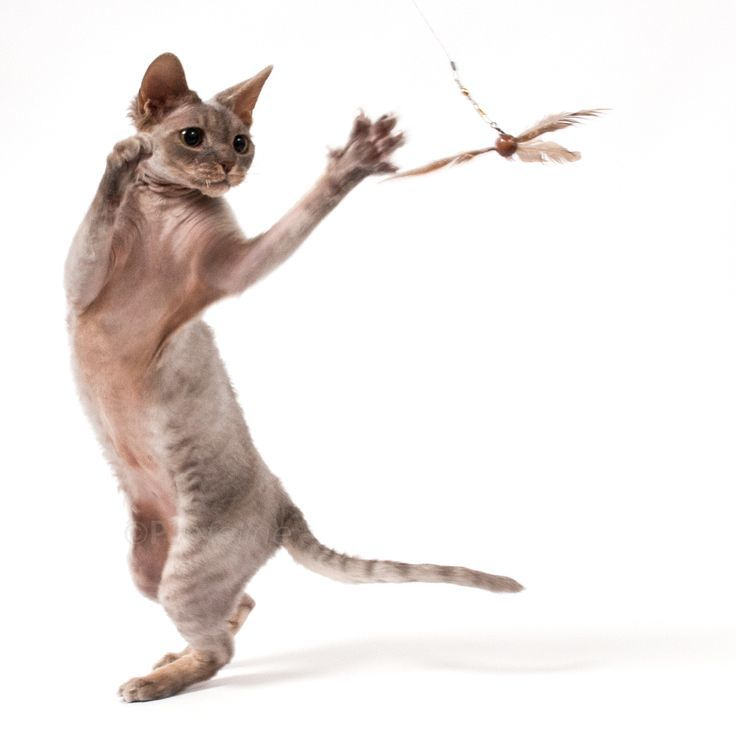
163 88
242 98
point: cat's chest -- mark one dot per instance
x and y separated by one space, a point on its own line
153 285
153 248
152 290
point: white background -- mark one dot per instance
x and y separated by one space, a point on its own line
527 369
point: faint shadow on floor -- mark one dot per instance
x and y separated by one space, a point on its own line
518 653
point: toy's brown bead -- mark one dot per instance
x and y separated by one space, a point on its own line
506 145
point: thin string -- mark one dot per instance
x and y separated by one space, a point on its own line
465 91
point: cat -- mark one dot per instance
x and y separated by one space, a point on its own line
157 246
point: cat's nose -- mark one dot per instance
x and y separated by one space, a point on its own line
226 166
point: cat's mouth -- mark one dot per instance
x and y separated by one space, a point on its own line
213 186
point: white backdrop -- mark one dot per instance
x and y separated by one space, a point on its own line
527 369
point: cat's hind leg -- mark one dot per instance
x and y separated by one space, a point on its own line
151 532
209 563
235 623
210 648
199 604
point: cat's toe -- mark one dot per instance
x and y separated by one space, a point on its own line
390 143
361 125
383 143
384 125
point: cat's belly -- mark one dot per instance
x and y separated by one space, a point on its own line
138 461
117 396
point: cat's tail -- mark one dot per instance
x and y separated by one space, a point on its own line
308 551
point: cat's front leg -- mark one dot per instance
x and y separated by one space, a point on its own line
236 263
89 259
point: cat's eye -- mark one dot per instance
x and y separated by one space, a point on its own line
192 137
241 143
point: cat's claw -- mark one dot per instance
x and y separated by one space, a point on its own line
369 148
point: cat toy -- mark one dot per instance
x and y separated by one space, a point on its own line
525 147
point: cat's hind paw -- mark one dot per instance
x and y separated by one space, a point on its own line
171 678
137 690
171 657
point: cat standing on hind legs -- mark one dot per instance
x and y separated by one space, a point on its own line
157 246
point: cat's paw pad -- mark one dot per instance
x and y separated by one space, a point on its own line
369 148
130 151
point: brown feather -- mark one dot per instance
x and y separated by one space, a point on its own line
545 151
556 122
458 158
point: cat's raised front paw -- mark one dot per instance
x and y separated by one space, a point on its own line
130 151
369 148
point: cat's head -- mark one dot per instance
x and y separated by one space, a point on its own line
197 145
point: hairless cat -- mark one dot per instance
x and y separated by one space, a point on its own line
158 245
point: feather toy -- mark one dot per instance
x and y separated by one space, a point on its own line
525 147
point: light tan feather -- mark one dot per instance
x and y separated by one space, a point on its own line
556 122
545 151
458 158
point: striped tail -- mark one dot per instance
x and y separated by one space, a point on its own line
304 547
